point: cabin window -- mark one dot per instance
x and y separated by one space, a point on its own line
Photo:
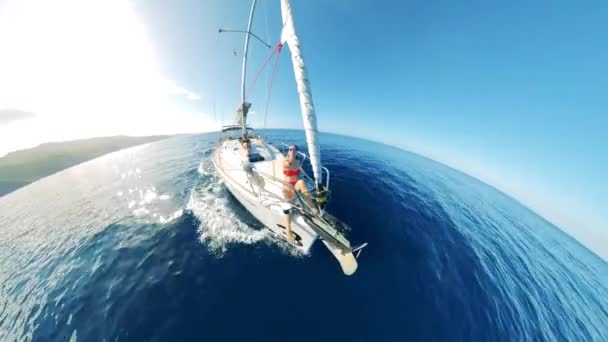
255 157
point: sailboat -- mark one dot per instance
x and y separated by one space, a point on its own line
252 169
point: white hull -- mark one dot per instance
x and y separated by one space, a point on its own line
263 197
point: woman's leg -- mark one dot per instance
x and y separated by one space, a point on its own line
288 194
290 236
301 187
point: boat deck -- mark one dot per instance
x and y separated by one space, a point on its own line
263 158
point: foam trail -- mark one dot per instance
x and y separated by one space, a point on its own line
172 217
219 223
141 212
206 168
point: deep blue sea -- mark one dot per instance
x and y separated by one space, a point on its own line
146 244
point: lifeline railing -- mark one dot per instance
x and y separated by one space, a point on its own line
356 250
298 195
332 233
305 175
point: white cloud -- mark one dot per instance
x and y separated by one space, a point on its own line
10 115
174 89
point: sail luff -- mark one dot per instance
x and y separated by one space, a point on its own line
306 103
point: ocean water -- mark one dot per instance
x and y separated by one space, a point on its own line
146 244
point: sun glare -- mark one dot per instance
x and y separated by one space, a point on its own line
85 68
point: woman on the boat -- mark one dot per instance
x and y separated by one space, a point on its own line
246 144
291 170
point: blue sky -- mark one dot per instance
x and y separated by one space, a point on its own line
512 93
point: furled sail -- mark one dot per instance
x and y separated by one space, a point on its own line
241 114
288 35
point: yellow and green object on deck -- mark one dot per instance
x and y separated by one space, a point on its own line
321 198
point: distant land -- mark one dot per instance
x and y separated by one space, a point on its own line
20 168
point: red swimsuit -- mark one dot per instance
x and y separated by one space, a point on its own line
291 173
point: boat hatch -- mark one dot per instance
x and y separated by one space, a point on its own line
255 157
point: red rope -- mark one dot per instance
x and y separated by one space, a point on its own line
274 72
278 48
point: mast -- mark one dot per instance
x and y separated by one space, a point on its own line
307 106
244 106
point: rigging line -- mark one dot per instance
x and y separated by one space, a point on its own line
274 72
215 118
249 33
252 84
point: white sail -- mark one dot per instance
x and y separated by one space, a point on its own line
306 104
